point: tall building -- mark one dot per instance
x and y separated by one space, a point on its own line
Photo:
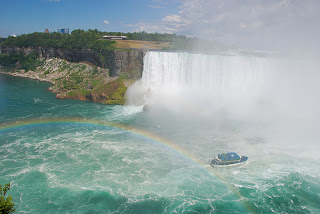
63 30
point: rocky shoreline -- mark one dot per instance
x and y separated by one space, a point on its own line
80 81
26 75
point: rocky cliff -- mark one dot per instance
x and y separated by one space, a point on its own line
128 62
81 81
118 62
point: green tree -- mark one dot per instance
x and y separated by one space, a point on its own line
6 204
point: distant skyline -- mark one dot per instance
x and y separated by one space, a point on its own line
246 23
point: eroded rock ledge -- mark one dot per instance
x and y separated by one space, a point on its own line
82 81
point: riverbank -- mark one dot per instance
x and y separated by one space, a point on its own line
26 75
82 81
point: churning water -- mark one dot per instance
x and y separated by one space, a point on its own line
67 156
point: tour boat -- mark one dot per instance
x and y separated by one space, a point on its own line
228 159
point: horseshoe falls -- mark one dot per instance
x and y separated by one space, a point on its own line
219 79
151 155
219 73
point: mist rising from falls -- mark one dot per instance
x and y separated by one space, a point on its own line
278 99
183 80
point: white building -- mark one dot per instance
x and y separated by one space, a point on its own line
114 37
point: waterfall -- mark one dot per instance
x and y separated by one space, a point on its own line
221 73
220 79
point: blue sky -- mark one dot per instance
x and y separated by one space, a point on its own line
245 23
27 16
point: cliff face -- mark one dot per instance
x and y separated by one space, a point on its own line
129 62
118 62
67 54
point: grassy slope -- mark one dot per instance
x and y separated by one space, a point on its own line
126 44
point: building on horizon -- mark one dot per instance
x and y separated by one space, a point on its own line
47 30
114 37
63 30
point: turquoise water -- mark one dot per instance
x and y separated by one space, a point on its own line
75 167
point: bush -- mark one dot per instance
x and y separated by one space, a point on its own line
6 204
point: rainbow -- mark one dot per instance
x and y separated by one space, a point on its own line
38 123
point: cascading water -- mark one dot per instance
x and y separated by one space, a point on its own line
218 81
210 72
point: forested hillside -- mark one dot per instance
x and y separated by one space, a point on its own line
78 39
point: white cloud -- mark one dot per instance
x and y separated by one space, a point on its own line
106 22
246 22
169 24
172 19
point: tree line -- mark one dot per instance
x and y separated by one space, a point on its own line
91 39
20 60
78 39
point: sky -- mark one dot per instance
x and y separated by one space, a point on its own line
245 23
